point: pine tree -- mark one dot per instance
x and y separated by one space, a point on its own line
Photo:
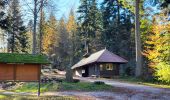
4 22
89 22
17 40
117 30
165 5
63 44
72 29
29 34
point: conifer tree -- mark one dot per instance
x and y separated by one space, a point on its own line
117 28
4 23
72 29
89 22
63 43
17 40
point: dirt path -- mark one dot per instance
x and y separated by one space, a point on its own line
101 95
130 86
123 91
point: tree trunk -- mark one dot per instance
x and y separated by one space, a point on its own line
138 41
69 71
118 13
41 15
34 28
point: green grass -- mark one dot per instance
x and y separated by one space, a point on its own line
2 97
64 86
84 86
23 58
156 85
33 87
17 97
143 82
50 87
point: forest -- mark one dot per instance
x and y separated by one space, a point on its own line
92 26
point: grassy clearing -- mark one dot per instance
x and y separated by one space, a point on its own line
143 82
64 86
85 86
50 87
16 97
33 87
2 97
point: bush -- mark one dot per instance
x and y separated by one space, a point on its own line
99 83
163 72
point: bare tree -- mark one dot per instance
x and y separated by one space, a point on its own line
36 7
138 41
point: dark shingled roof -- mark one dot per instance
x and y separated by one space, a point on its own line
23 58
100 56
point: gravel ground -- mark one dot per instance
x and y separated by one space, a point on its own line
130 86
101 95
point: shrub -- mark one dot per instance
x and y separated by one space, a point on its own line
163 72
99 83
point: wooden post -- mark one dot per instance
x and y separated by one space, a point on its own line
39 80
39 88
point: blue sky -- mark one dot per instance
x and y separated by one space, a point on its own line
64 6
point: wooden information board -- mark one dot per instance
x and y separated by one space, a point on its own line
20 72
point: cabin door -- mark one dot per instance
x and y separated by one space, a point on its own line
85 72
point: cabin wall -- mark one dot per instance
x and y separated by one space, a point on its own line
110 73
94 70
19 72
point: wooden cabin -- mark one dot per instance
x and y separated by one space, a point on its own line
21 67
100 64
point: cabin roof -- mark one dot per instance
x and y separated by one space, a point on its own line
102 56
23 58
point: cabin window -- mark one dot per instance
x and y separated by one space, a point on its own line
109 66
